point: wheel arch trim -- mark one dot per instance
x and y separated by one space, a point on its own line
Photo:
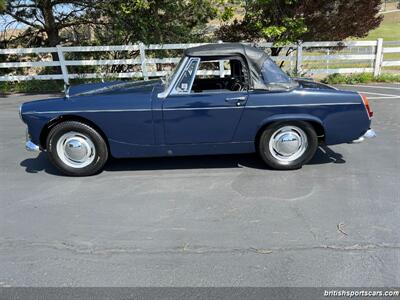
63 118
314 121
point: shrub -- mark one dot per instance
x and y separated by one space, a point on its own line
360 78
42 86
32 86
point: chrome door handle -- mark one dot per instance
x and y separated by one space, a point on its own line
237 100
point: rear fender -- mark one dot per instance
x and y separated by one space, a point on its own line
315 122
289 117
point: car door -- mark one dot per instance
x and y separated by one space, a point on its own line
194 118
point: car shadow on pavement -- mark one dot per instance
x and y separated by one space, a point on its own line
38 164
41 163
325 155
186 162
322 156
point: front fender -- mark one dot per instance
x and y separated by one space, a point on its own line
35 124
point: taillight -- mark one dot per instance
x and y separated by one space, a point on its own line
366 104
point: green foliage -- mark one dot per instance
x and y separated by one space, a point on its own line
265 19
42 86
227 14
286 21
49 22
32 86
227 9
156 21
275 22
2 5
360 78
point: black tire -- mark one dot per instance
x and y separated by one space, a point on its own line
97 159
271 159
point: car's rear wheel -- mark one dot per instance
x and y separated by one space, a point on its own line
288 145
76 149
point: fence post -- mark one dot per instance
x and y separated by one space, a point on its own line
299 58
291 61
64 69
378 57
143 61
221 69
327 61
221 64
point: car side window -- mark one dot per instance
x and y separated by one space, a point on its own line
185 81
220 76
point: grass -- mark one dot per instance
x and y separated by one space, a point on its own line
389 29
360 78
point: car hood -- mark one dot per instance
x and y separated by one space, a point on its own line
96 96
114 87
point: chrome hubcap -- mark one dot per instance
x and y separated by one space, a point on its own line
76 149
288 143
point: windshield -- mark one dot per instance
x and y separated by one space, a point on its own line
272 74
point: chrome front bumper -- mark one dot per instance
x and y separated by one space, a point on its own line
368 135
29 145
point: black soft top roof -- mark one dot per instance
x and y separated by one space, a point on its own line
254 57
227 49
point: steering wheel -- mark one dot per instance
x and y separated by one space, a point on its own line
236 85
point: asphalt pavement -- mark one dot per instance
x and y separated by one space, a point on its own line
205 221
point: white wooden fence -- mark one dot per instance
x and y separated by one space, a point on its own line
305 59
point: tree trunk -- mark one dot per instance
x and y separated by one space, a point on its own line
50 26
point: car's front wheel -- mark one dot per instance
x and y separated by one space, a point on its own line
76 149
288 145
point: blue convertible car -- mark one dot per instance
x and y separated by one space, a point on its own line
250 106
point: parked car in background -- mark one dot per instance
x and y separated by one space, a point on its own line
253 106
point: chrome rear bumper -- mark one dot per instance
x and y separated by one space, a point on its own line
368 135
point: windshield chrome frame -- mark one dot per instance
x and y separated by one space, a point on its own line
173 81
174 91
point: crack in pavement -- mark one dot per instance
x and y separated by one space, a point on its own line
192 249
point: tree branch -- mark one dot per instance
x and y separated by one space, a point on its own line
19 19
79 22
